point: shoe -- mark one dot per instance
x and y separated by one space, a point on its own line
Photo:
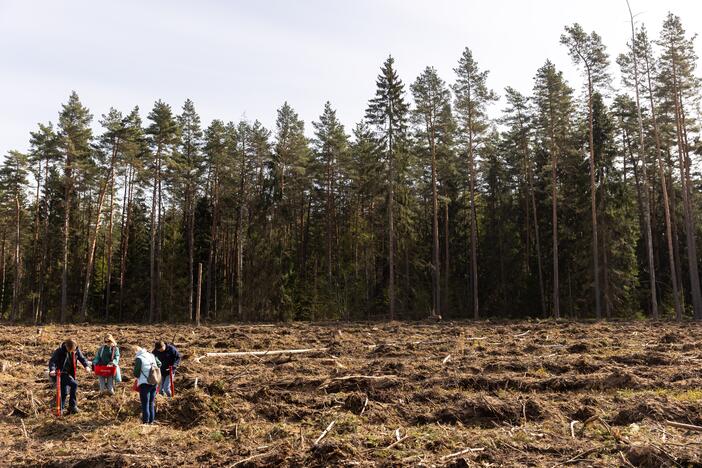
111 391
73 410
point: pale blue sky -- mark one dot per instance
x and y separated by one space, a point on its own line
239 59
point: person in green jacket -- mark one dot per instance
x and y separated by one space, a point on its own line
108 355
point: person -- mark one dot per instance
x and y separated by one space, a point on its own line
64 359
144 361
169 356
108 355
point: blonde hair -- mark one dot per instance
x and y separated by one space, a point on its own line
110 339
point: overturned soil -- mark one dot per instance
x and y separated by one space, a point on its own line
397 394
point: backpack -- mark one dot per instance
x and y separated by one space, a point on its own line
154 377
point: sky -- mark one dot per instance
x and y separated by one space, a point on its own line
243 59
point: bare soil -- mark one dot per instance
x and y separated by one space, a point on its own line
453 394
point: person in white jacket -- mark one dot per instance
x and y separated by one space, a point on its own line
144 361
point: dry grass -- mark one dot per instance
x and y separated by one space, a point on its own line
508 390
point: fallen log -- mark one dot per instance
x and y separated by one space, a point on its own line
263 353
689 427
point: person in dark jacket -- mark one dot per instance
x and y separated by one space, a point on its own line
64 359
169 357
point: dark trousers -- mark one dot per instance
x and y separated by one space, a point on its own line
68 386
147 395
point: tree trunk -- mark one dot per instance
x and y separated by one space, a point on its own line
41 300
66 234
593 204
532 198
473 220
110 224
554 215
191 248
646 205
91 251
36 271
446 254
124 241
436 267
687 205
18 273
4 271
153 279
213 242
391 226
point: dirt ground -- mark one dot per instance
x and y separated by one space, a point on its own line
447 394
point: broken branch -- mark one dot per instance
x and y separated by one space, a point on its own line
689 427
325 432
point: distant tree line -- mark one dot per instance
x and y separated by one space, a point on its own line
579 201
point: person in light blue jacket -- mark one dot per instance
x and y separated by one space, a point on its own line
144 361
108 355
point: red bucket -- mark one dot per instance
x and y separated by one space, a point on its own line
105 371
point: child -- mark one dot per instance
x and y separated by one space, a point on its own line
64 359
108 355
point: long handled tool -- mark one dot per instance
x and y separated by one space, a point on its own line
170 374
58 393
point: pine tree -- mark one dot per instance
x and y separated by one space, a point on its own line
646 58
388 113
162 137
115 138
432 117
43 156
589 52
187 170
13 183
519 131
472 98
216 156
629 64
74 142
135 153
677 86
330 145
553 102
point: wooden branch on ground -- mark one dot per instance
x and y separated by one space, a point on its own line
397 442
461 452
252 457
365 403
365 377
577 458
24 430
263 353
689 427
572 428
446 359
325 432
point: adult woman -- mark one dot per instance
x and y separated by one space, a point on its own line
144 364
108 355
